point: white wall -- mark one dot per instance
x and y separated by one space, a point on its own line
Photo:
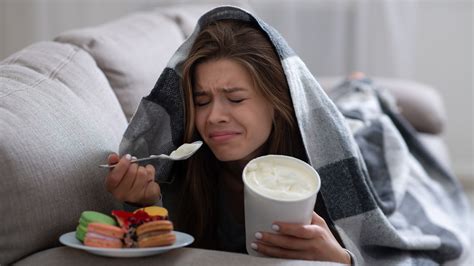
444 58
430 41
23 22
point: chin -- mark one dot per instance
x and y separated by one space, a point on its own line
234 156
226 156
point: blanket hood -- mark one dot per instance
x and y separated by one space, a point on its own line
158 124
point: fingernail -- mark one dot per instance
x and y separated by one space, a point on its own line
134 158
275 227
258 235
254 246
128 157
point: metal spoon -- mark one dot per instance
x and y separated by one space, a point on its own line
183 152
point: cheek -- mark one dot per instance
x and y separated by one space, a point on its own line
269 116
199 122
264 122
269 124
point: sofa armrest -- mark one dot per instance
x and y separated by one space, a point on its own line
419 103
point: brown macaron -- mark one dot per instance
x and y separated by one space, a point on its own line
156 234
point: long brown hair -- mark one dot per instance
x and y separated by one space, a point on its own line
243 43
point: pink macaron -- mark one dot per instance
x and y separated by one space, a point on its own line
104 236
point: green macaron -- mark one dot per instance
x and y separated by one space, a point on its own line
81 232
88 217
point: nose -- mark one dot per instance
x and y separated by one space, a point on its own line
218 113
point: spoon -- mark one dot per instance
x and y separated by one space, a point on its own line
183 152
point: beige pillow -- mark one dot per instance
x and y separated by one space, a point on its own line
187 15
420 104
59 119
131 51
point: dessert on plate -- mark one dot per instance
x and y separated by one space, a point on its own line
145 227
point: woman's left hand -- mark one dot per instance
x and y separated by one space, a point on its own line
295 241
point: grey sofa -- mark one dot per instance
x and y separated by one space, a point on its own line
64 105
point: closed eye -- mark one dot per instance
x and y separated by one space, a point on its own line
201 103
236 100
201 100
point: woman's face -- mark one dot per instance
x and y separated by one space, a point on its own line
232 116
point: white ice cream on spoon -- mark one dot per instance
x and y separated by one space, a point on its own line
186 149
183 152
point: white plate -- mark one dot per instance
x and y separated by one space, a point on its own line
69 239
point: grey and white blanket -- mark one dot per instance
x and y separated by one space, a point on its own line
419 214
390 201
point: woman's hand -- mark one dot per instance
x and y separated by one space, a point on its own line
131 183
296 241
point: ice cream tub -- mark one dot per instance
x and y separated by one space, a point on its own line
277 188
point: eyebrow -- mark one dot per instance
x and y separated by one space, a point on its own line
226 90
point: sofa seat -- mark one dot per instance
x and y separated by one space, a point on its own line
183 256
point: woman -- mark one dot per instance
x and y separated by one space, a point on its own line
237 85
238 102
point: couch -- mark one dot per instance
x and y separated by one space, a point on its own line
64 105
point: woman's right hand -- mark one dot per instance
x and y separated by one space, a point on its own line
131 183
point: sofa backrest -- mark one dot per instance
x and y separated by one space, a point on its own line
132 52
59 119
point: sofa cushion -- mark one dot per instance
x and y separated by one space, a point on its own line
420 104
183 256
187 15
131 51
59 119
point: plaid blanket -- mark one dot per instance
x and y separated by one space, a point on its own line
418 213
390 201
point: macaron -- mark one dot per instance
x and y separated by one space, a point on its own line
154 211
104 236
129 221
88 217
155 234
